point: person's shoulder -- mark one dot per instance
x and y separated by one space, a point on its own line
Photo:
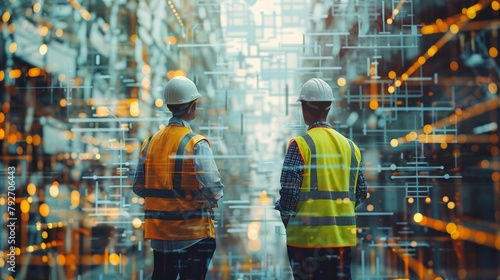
199 139
297 138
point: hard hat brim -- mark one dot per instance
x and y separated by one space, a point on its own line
194 97
327 100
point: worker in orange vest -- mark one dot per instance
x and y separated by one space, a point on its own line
181 184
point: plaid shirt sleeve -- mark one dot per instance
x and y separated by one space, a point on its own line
361 188
291 181
138 186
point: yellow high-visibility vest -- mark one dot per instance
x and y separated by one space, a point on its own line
171 212
325 210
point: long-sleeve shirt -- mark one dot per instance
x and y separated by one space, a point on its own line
206 173
291 179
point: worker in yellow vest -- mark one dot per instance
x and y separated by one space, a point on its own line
180 182
321 184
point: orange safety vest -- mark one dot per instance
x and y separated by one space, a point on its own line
325 209
172 211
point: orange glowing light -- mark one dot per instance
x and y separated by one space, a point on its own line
373 105
394 142
6 16
421 60
495 176
44 210
341 82
495 5
453 66
492 88
391 74
427 129
418 217
14 74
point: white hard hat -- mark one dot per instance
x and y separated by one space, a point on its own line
316 90
180 90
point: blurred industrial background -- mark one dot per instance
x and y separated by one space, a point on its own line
416 85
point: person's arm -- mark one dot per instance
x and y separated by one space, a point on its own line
291 181
207 174
361 188
140 175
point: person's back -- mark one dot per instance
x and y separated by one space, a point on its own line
325 208
174 209
179 180
321 184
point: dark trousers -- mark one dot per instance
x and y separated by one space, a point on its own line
191 263
320 263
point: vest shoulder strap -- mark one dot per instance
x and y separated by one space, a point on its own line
145 150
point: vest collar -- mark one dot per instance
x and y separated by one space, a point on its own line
319 124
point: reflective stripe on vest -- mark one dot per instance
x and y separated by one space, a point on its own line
177 215
178 161
333 195
172 211
322 221
325 210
